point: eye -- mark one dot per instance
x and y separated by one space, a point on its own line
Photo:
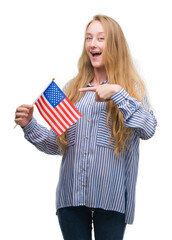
88 38
101 38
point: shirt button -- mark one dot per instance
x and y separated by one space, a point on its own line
86 137
83 185
123 93
84 169
129 101
85 153
88 120
91 104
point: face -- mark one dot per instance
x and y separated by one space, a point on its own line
95 43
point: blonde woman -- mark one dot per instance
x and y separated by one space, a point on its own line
101 150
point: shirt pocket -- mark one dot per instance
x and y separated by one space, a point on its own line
104 138
71 135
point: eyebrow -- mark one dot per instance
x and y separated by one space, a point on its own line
98 33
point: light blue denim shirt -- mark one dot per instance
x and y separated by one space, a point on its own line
90 172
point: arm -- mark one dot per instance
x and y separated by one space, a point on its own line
42 138
136 114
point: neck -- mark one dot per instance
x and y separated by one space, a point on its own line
100 75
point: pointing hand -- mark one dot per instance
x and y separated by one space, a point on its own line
103 92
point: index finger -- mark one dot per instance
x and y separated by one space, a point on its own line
87 89
27 106
24 107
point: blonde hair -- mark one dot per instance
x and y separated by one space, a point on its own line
119 69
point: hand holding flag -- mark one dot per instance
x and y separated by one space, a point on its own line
23 115
55 108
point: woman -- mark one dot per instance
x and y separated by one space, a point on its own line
101 150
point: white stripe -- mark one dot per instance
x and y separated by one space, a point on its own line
63 106
48 118
56 120
64 115
71 108
61 119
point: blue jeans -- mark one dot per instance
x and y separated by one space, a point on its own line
76 223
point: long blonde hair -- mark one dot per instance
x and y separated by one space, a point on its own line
119 69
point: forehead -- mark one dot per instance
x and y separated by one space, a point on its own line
95 27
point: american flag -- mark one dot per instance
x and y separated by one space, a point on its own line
56 109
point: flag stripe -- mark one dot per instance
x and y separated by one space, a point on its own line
61 106
63 115
73 108
52 118
46 119
51 109
68 110
48 116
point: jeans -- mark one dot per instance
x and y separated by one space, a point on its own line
76 223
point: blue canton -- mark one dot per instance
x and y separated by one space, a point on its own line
54 94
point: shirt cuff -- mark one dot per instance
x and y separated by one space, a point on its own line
120 96
126 103
29 126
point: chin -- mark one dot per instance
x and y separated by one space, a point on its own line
98 65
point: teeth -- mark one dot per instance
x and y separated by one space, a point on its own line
94 54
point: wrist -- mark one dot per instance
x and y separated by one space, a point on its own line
116 88
28 125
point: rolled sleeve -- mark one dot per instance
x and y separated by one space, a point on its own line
126 104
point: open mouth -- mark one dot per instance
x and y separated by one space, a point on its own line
96 53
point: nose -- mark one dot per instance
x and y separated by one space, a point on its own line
93 43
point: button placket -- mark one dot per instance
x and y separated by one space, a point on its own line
82 140
86 146
83 173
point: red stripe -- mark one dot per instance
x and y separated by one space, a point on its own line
74 108
66 120
69 110
56 117
64 111
47 120
44 110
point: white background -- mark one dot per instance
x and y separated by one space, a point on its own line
44 39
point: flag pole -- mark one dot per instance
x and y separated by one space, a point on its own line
53 79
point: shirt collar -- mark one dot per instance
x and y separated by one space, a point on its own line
90 85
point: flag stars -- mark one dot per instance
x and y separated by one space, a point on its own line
54 94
